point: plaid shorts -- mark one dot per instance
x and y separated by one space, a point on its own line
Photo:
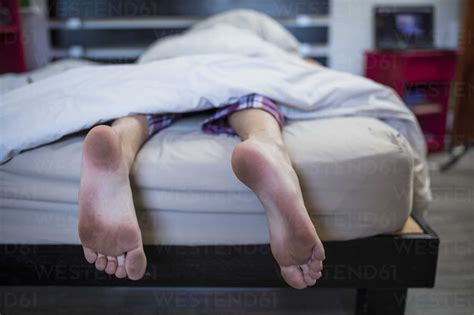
218 122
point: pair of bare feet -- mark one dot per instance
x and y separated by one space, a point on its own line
109 230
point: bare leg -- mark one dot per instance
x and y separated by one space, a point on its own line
261 162
108 226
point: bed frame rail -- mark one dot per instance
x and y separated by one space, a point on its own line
381 268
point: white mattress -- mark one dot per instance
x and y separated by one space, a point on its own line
356 175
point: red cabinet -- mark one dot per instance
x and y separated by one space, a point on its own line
12 51
423 80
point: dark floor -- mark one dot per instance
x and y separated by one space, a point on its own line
451 216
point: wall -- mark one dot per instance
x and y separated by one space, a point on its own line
351 28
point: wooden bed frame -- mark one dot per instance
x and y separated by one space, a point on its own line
380 268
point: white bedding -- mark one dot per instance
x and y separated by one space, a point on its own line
240 64
356 175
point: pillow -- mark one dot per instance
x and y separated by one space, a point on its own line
227 31
258 23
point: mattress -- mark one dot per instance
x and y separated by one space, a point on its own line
356 175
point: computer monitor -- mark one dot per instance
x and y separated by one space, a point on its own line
401 28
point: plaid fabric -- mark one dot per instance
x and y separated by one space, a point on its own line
157 122
218 123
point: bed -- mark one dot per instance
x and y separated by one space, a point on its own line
350 169
356 174
212 232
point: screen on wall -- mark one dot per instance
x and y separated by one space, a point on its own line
404 27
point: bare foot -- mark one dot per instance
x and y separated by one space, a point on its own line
108 226
265 168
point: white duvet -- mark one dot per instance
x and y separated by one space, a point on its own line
214 66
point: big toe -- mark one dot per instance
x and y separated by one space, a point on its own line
135 263
294 277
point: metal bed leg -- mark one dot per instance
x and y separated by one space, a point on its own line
381 301
455 154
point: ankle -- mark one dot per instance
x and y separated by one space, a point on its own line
128 157
275 146
277 143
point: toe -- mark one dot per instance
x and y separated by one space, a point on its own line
111 265
101 262
313 273
91 256
308 278
310 281
315 266
120 272
135 263
316 276
294 277
318 251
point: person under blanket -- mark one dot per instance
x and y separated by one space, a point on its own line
108 226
